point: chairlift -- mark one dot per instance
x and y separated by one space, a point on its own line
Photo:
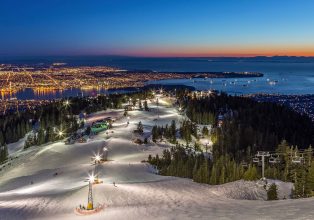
272 159
297 159
244 164
278 159
255 160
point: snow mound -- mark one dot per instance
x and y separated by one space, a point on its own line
284 188
247 190
251 190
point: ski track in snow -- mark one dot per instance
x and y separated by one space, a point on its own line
140 194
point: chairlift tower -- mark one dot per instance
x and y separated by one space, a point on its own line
262 155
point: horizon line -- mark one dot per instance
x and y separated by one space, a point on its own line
151 56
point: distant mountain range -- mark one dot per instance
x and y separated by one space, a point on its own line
286 59
106 58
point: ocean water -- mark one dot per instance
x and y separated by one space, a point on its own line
281 75
289 77
29 94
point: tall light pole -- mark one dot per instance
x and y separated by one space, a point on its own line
97 160
90 203
105 154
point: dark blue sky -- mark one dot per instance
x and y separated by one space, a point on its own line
157 28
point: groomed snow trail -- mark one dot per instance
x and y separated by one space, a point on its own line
29 189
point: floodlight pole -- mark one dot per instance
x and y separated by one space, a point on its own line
90 205
95 170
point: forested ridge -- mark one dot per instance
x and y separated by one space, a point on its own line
240 128
249 123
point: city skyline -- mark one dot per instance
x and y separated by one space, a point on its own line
157 29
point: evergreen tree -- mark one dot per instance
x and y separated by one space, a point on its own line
202 175
205 131
1 138
140 105
154 134
250 173
140 128
310 179
3 153
222 176
150 158
146 106
213 177
272 192
173 131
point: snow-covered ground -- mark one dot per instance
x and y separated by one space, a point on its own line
17 146
47 182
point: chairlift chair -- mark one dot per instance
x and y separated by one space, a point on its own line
297 159
244 164
255 160
272 159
